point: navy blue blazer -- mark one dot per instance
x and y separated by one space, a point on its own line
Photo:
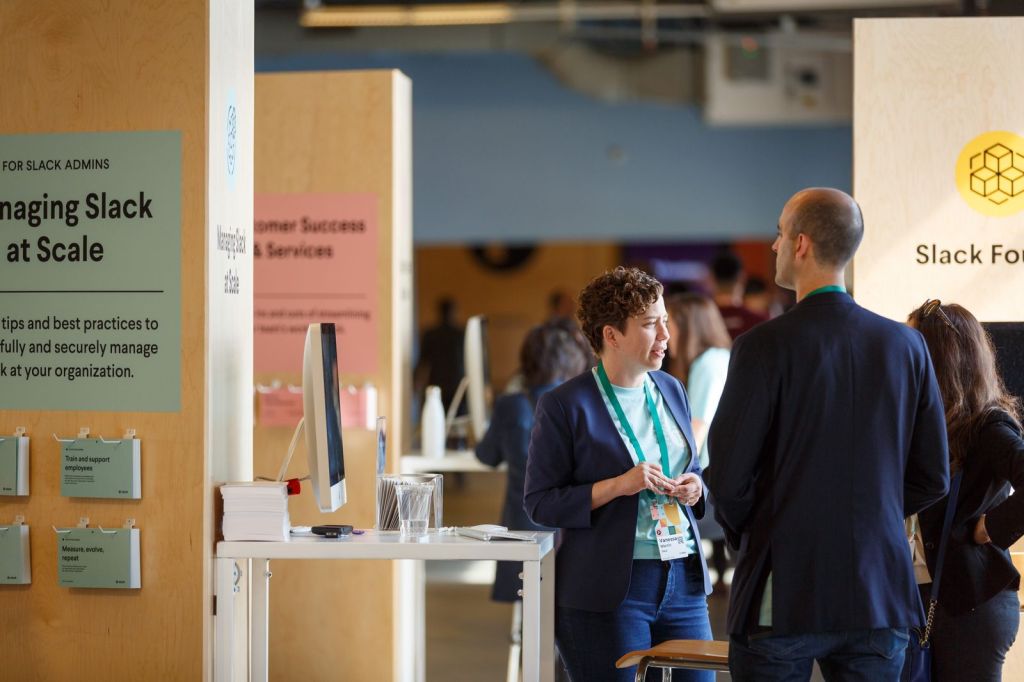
575 444
829 432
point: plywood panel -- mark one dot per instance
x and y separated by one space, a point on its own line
118 66
341 133
513 300
924 89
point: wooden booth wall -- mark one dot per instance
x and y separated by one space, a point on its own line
125 65
513 299
925 91
342 132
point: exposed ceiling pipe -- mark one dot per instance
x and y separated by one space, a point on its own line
317 15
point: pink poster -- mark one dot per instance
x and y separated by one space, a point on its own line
315 260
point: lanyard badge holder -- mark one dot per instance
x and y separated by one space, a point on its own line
670 522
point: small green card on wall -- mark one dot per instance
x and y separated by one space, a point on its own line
94 557
93 467
15 566
14 464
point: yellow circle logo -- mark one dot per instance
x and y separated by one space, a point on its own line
990 173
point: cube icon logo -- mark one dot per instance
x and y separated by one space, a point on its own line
990 173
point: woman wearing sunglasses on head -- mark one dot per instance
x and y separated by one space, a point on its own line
978 611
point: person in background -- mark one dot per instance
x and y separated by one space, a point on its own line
760 299
978 613
729 281
830 431
699 344
549 355
560 307
612 463
441 362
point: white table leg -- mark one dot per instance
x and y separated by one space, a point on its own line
539 620
225 658
547 617
260 620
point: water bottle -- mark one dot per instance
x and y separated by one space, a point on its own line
433 435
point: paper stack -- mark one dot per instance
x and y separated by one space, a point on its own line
255 510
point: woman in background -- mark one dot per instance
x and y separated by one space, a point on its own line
978 612
549 355
699 343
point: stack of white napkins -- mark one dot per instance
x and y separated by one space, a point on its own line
255 510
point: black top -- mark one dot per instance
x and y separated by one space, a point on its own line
441 350
975 573
508 440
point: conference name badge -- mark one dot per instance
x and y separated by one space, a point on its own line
671 524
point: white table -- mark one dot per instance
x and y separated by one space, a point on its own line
454 461
234 558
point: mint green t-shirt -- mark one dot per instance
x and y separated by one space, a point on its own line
634 406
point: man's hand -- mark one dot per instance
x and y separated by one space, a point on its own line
980 534
688 489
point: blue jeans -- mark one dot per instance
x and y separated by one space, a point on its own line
665 601
973 645
861 655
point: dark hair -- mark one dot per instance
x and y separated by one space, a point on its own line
446 308
700 327
555 299
549 355
834 229
965 366
755 285
613 298
570 327
726 268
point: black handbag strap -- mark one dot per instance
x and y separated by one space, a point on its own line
947 524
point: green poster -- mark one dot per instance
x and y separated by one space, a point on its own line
90 271
96 557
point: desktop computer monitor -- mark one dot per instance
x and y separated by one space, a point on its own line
478 375
321 407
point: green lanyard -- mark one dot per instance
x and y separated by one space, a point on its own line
827 289
659 432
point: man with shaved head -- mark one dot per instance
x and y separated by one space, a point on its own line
829 432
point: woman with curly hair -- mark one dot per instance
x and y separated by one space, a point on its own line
978 610
612 462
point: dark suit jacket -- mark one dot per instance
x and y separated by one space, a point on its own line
830 431
974 573
574 445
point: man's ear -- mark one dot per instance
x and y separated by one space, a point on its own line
803 246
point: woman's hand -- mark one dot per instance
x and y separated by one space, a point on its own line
644 476
647 476
688 489
980 534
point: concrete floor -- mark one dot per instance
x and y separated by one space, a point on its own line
467 634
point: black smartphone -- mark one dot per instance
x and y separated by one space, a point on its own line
332 531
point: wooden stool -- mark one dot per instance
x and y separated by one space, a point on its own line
686 654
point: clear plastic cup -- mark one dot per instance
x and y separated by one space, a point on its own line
413 507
